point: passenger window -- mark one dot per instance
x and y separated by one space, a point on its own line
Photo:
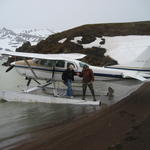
60 63
47 63
82 64
42 62
50 63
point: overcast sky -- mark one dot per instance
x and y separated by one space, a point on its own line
66 14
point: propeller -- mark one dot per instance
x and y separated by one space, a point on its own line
11 67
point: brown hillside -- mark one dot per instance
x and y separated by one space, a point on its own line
95 56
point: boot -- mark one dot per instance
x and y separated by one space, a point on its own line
92 91
84 86
83 98
94 99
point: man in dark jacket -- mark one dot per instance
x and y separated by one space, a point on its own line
68 77
88 78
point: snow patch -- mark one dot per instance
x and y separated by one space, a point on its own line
77 39
62 40
95 43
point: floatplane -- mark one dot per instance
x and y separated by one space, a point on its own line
49 67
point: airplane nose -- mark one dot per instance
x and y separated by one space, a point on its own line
13 63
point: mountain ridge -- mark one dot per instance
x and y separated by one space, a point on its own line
95 55
12 39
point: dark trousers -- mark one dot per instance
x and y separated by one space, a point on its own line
90 85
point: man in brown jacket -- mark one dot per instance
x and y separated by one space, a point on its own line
88 78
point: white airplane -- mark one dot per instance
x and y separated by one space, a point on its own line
49 67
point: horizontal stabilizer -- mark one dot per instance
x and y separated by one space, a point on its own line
134 76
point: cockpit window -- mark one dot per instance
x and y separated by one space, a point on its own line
35 60
43 62
82 64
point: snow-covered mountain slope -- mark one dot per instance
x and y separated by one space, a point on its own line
126 48
121 48
12 39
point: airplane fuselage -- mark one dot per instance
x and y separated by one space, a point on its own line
44 70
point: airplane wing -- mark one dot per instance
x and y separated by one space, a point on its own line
67 56
134 76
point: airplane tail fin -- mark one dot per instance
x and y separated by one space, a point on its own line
142 61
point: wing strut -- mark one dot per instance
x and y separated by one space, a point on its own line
32 72
51 81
